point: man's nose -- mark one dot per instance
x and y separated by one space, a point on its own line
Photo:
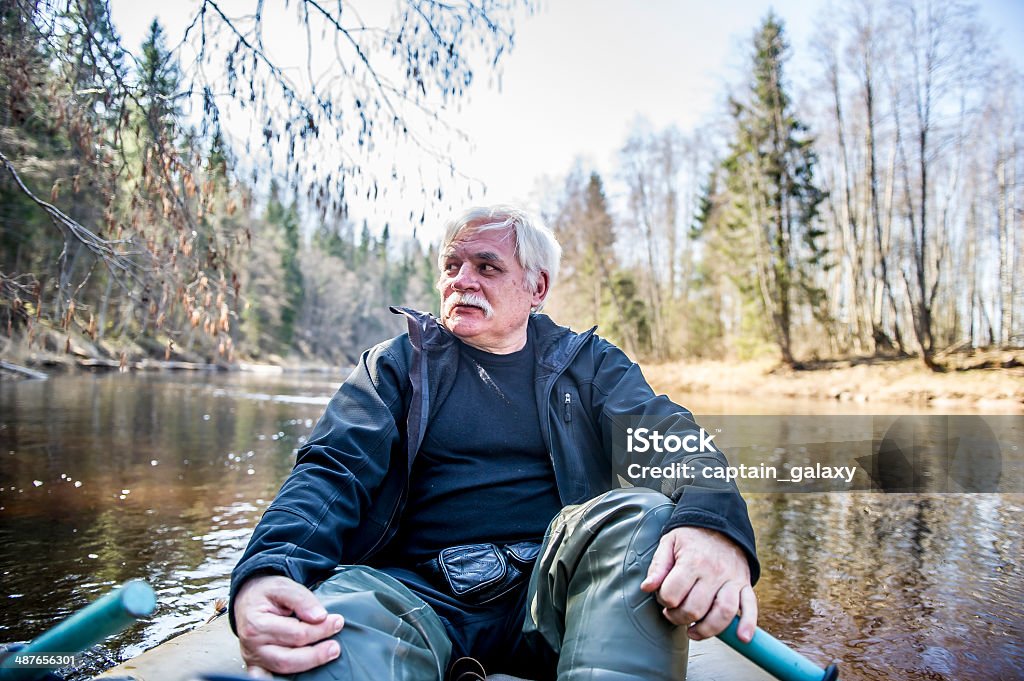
465 278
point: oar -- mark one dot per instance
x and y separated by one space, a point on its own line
87 627
775 657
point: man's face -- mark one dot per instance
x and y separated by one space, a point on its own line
485 301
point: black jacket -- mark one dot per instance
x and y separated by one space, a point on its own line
342 501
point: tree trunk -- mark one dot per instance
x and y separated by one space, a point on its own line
1006 253
101 324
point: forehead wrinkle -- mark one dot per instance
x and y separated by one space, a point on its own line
486 256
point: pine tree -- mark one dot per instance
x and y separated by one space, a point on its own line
281 236
770 200
599 236
159 79
292 274
584 229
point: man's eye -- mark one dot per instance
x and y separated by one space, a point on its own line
451 267
487 267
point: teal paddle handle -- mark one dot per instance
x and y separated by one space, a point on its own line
775 657
90 625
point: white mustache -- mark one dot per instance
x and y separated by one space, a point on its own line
468 299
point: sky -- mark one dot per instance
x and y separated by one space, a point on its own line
581 73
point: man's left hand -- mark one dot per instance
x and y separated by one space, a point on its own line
702 578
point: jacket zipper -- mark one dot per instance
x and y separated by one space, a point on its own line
546 422
568 407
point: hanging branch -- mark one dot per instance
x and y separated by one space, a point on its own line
119 263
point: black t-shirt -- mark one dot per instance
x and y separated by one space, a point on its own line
482 473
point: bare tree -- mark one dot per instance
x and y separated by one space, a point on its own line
1004 115
943 65
851 47
657 168
869 22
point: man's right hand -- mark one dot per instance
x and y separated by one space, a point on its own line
281 626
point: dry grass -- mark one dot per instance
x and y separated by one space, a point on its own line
977 381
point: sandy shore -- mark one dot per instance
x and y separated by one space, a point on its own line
906 381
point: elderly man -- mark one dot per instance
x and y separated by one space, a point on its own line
459 499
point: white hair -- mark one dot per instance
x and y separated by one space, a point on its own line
536 248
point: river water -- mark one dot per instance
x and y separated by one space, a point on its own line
161 476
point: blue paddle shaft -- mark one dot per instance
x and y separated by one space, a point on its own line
775 657
90 625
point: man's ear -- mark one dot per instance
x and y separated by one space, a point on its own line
541 291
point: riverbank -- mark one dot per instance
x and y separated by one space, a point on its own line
992 381
986 380
52 353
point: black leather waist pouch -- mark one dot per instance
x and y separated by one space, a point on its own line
480 573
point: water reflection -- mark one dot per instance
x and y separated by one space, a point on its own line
897 586
108 478
164 476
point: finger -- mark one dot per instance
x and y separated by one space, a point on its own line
295 598
748 614
258 672
309 608
677 585
283 660
272 629
694 607
720 614
661 564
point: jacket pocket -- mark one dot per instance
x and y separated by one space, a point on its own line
571 425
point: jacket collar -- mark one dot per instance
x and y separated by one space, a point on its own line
425 331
